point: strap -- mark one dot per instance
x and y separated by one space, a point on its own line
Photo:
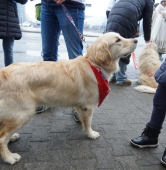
71 20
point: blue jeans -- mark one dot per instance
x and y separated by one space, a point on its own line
53 20
121 76
159 108
8 44
160 56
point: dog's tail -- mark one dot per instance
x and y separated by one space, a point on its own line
145 89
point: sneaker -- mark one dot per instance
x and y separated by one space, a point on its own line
41 109
163 159
76 117
126 83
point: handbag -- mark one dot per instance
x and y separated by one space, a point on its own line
38 10
137 34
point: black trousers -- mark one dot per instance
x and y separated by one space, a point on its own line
159 108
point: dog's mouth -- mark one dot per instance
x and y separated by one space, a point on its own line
131 50
126 54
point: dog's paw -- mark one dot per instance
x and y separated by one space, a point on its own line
12 158
14 137
93 134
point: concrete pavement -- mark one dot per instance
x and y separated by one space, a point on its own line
53 141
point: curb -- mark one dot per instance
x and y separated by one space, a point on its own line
36 31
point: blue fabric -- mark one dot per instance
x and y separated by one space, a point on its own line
159 108
121 76
8 44
160 75
54 20
67 3
160 56
159 101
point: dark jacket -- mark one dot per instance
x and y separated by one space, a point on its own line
124 16
160 75
9 22
67 3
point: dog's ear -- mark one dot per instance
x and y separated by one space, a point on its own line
98 52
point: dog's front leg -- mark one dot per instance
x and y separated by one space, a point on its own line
85 114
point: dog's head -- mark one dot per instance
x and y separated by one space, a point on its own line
151 45
109 48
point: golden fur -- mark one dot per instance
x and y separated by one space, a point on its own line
24 86
148 64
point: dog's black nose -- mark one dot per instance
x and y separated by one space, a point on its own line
135 41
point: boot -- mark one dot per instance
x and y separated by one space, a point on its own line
148 138
163 159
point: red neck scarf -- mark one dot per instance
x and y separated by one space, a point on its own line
102 84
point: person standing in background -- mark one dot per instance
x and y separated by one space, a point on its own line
53 21
158 28
123 19
9 27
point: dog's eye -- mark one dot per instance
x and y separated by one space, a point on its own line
118 40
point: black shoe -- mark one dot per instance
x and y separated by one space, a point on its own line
41 109
144 142
163 159
76 117
148 138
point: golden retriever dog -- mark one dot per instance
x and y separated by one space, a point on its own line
148 64
66 83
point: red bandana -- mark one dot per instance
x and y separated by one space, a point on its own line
102 84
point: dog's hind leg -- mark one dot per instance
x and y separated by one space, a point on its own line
85 114
8 127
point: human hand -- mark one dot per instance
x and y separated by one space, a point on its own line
59 1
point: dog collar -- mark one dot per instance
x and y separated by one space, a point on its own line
103 86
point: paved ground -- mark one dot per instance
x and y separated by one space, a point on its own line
53 141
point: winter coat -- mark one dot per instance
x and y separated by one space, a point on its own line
124 17
9 22
160 75
78 4
125 14
159 28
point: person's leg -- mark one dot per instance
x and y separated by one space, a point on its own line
149 137
121 77
159 108
160 56
73 42
50 32
8 44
